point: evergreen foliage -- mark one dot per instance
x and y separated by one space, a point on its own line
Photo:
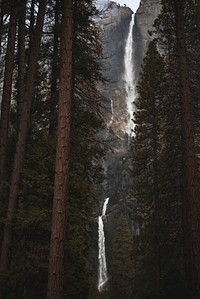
28 267
161 188
122 264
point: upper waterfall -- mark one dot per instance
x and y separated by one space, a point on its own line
129 78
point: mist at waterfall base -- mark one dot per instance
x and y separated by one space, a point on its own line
103 275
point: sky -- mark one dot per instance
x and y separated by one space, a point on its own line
133 4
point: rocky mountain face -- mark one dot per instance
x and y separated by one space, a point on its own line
143 25
115 25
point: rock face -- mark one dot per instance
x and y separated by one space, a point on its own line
114 26
114 23
144 19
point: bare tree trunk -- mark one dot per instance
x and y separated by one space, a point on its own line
60 201
21 57
22 137
1 21
190 158
6 97
55 75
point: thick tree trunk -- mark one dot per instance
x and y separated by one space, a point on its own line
22 137
60 202
6 97
190 158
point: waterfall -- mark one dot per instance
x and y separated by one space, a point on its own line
103 276
112 114
129 78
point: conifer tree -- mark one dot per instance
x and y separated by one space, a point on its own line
191 175
22 139
182 15
122 266
6 97
147 147
28 250
85 166
156 186
61 187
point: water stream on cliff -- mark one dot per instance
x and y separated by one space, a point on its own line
129 78
112 114
103 276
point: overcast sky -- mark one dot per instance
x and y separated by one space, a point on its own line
133 4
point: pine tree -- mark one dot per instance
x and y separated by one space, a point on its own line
122 266
181 16
22 138
85 166
156 187
6 97
146 150
61 187
191 174
28 254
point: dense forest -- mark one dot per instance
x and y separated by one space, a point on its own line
51 152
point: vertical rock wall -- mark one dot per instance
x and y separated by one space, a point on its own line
144 19
114 23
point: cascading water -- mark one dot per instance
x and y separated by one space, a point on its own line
112 114
129 78
103 276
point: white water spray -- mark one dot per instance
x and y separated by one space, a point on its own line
129 78
103 276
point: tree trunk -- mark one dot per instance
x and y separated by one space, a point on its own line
1 21
60 201
21 57
22 137
55 74
188 134
6 97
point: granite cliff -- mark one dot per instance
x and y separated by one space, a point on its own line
144 19
115 25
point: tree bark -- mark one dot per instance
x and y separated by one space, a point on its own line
60 201
6 97
21 57
188 133
55 74
22 137
1 21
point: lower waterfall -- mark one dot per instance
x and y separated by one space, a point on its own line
103 276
